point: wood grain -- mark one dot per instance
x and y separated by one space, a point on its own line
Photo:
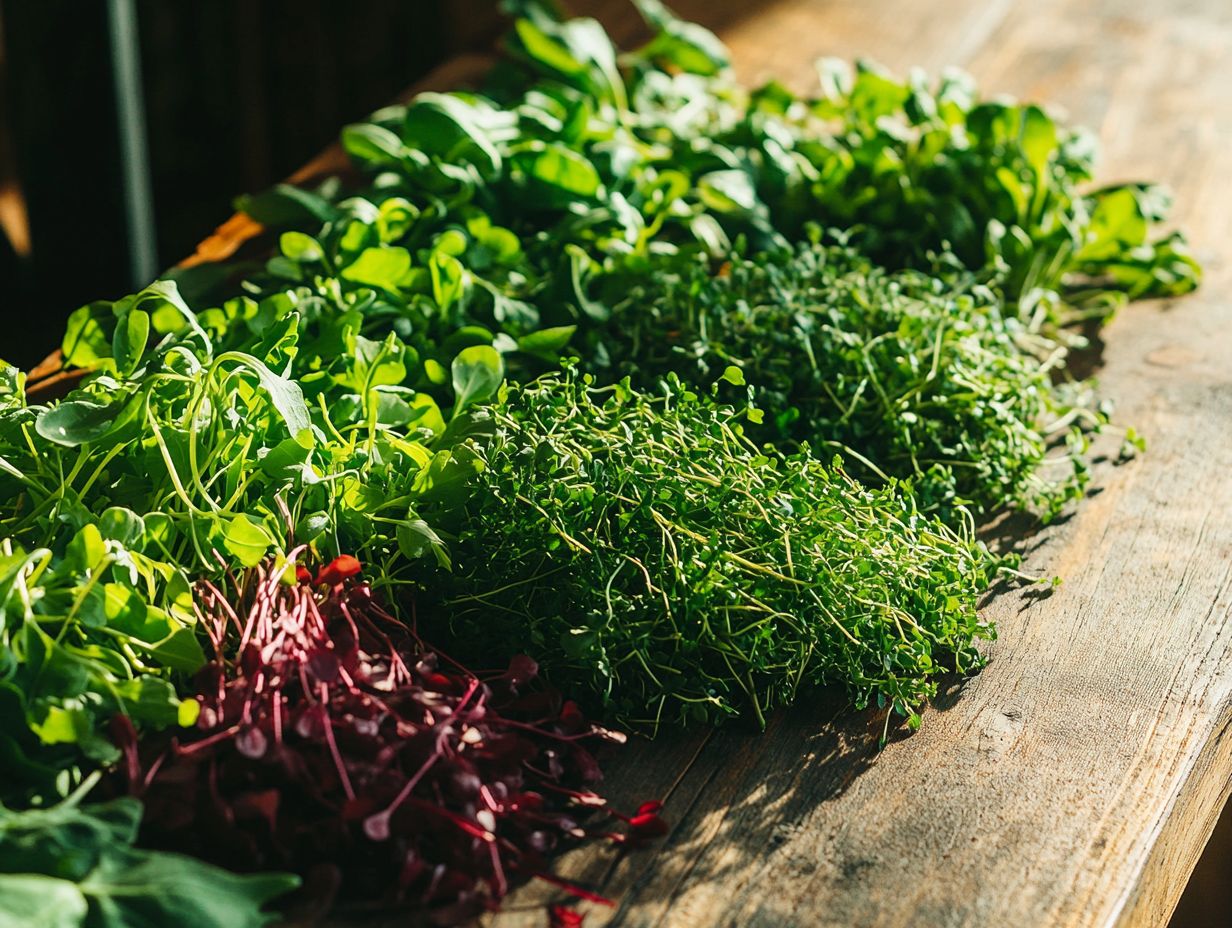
1076 780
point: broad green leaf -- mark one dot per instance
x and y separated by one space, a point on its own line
477 373
416 538
545 50
87 549
29 900
75 422
85 341
153 700
1039 138
300 247
142 888
371 143
284 205
285 395
129 342
448 279
247 540
285 460
449 127
556 176
426 414
127 612
122 525
380 267
547 343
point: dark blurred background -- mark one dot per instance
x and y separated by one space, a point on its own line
127 127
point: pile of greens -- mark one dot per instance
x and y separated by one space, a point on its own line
924 378
648 551
190 455
529 214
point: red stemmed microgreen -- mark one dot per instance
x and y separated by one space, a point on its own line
330 732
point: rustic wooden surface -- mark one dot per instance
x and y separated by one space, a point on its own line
1075 780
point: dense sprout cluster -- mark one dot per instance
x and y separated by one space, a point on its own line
330 737
651 554
922 378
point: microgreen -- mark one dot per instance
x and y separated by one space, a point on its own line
649 554
329 735
920 377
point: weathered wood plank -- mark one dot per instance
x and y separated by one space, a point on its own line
1076 780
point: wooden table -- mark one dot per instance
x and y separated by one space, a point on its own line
1075 780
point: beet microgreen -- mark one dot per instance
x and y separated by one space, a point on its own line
329 733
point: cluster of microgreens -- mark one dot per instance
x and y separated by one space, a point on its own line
648 552
922 378
330 736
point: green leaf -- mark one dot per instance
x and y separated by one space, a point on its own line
152 699
122 525
246 539
143 888
300 247
687 46
75 422
87 549
547 343
426 414
181 650
168 311
449 127
373 144
85 341
286 396
1039 138
284 205
477 373
285 460
556 176
728 192
545 50
380 267
448 279
416 538
29 900
129 342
